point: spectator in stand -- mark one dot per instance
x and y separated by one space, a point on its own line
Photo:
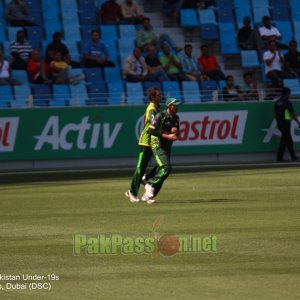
131 12
209 66
196 4
231 92
269 33
57 46
20 51
61 72
171 64
146 36
292 59
155 70
189 64
135 68
5 72
16 14
95 53
110 13
274 62
245 35
38 69
249 88
171 7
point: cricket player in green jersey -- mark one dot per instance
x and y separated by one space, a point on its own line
145 146
164 129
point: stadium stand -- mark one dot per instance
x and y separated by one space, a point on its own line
77 18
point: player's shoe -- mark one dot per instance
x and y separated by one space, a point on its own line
132 197
149 191
148 200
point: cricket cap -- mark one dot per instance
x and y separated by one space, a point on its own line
172 101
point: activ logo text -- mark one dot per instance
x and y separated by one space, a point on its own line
8 133
274 131
83 135
211 128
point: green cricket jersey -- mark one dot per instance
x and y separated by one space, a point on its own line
151 111
163 123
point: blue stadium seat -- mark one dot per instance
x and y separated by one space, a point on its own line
224 3
222 83
108 32
2 34
188 18
22 94
6 49
35 16
116 92
126 45
260 3
92 75
293 85
297 32
294 4
34 33
207 16
50 5
68 5
32 4
171 89
21 76
285 28
87 17
86 4
2 20
42 94
225 14
70 18
190 91
279 3
135 93
97 93
259 13
112 74
79 94
51 18
209 32
111 46
241 4
73 49
6 96
228 39
61 95
295 14
72 33
250 59
280 14
127 31
208 87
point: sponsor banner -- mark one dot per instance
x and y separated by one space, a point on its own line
100 132
212 128
8 132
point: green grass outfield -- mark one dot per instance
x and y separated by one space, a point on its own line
254 214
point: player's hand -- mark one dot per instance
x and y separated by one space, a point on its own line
172 137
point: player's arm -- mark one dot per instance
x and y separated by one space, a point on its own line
155 129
